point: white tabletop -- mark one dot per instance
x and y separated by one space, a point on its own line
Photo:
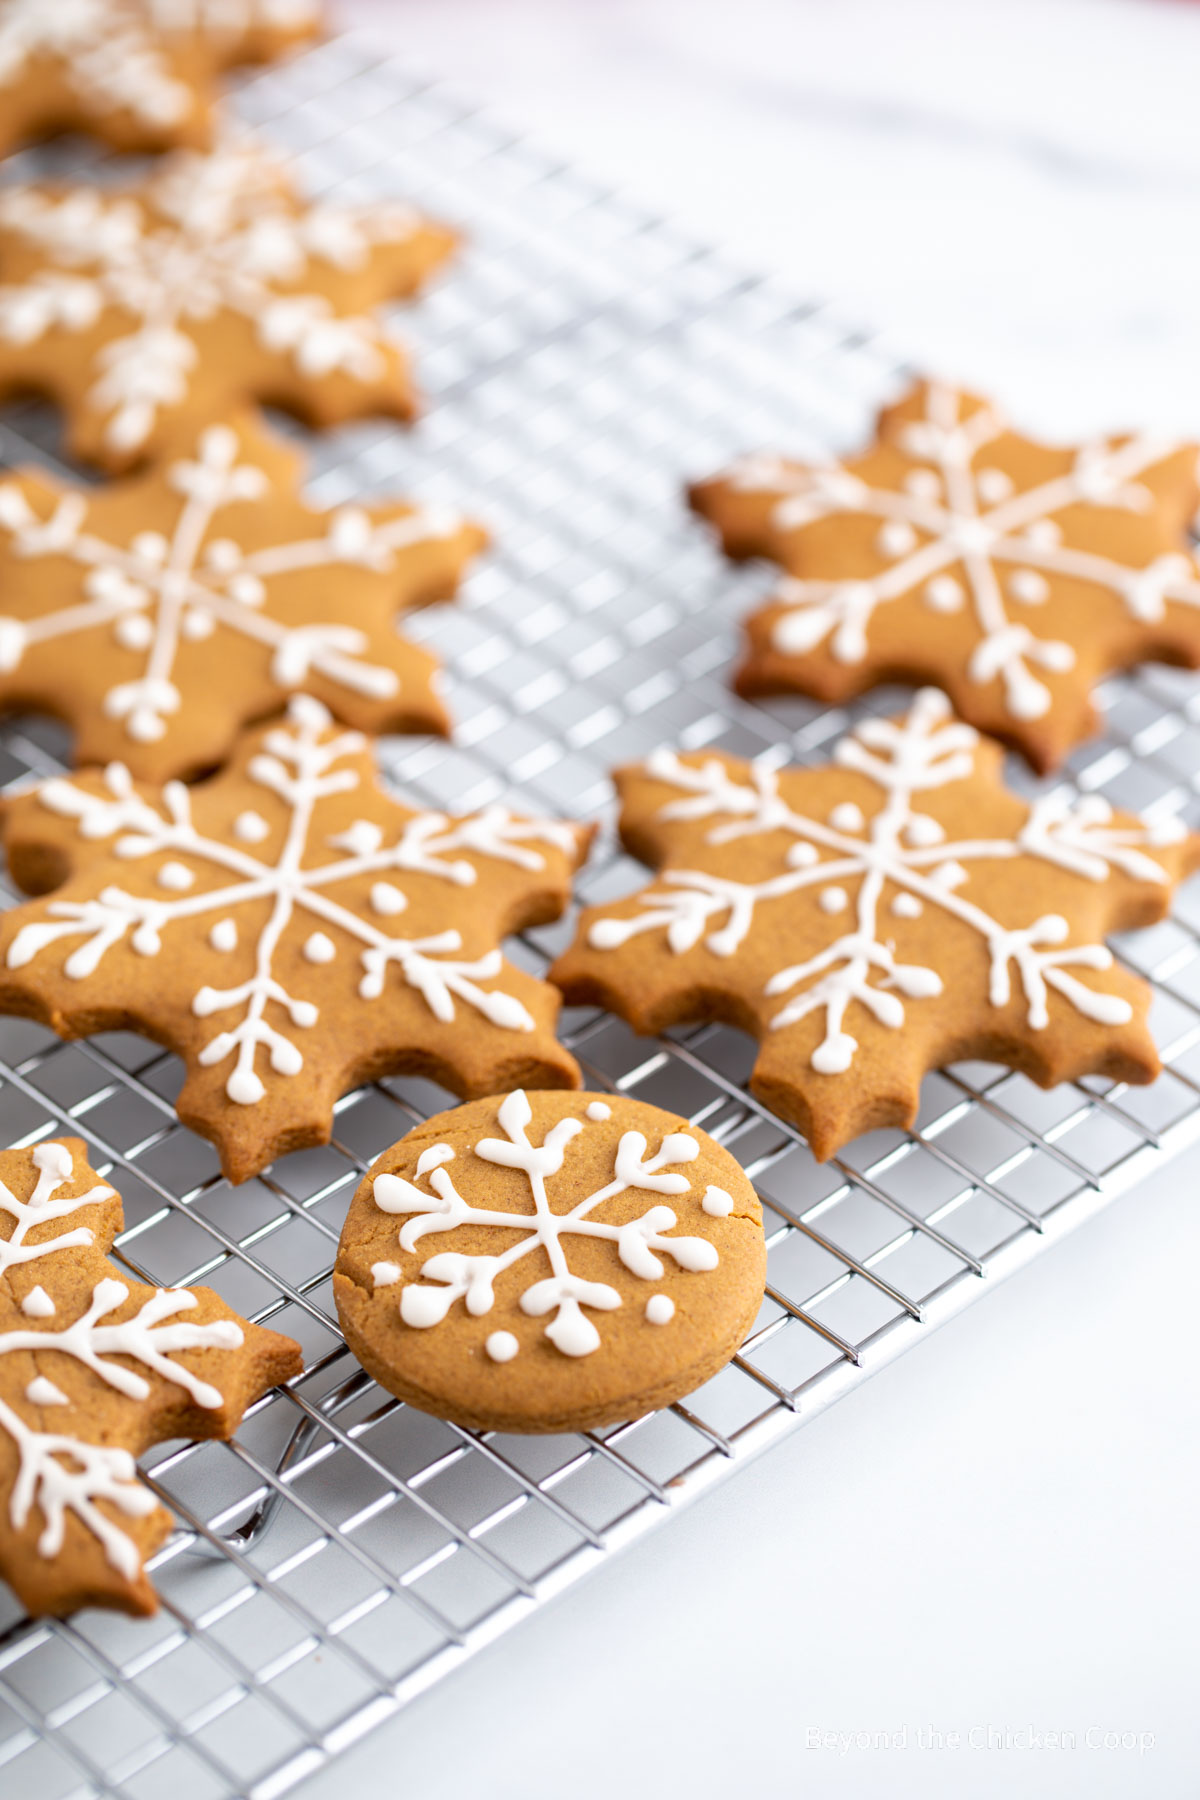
997 1538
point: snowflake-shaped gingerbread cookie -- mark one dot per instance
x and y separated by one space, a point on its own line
550 1262
160 614
94 1368
955 550
138 73
155 308
879 917
289 929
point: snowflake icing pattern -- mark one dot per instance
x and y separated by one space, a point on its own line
451 1276
883 870
339 847
208 285
1039 564
60 1474
117 63
140 610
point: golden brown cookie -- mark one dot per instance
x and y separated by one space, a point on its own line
550 1262
885 914
288 929
150 310
956 551
94 1368
137 73
160 614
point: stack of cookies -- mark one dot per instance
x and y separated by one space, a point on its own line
223 872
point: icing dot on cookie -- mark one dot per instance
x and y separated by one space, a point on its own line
802 856
923 484
175 875
224 935
197 623
897 538
318 948
502 1346
660 1309
944 594
847 817
599 1110
949 875
134 632
922 831
42 1392
906 906
362 838
387 900
833 900
37 1304
1028 585
1045 533
717 1203
151 546
994 485
385 1274
221 554
247 588
250 827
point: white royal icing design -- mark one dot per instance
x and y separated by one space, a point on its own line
962 518
300 765
450 1276
59 1473
114 54
717 1202
900 846
215 234
180 588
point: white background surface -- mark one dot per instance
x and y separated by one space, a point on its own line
1002 1530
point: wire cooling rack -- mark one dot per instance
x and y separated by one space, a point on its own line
346 1552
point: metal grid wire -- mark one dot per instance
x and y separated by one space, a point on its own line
346 1552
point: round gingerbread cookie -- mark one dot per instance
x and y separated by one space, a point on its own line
549 1262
